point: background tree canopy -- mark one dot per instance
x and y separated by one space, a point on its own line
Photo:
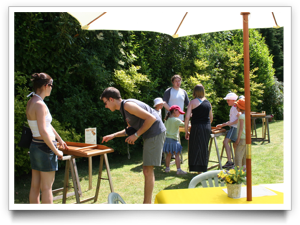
140 64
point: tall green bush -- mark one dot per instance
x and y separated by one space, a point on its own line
261 70
22 163
140 64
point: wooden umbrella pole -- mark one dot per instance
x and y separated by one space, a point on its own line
95 19
275 20
247 103
180 24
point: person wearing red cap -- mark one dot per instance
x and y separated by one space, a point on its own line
240 143
172 145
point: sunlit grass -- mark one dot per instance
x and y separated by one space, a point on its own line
128 179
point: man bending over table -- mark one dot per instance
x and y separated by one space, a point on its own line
147 123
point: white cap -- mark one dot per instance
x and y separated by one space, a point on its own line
231 96
158 101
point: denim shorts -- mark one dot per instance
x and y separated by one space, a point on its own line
232 134
42 158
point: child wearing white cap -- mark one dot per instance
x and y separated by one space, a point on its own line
232 133
158 105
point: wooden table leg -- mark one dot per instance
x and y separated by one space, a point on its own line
74 178
267 128
209 148
108 173
99 178
76 175
66 182
222 152
90 172
188 153
263 120
218 154
231 149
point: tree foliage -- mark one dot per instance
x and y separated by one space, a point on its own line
140 64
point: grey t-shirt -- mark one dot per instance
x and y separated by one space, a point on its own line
157 127
174 97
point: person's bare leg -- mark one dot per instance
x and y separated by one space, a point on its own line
47 179
227 148
177 160
149 183
168 159
34 194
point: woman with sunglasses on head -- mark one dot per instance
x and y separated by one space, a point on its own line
43 150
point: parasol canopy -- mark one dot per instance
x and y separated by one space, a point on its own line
188 20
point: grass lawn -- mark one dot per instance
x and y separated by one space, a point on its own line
128 179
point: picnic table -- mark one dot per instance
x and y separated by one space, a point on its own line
262 194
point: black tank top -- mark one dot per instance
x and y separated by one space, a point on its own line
200 114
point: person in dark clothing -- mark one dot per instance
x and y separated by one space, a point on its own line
199 135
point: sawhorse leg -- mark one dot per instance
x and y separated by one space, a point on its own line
267 130
71 165
75 179
219 165
108 173
218 154
100 176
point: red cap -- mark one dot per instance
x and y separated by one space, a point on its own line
176 107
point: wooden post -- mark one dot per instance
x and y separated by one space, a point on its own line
91 138
90 172
263 126
247 102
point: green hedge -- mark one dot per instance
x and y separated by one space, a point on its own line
140 64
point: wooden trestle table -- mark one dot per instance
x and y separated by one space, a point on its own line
265 126
77 150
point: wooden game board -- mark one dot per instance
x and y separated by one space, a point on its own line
85 150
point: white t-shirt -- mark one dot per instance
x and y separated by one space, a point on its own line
233 116
177 98
158 112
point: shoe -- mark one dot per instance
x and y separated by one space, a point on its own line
167 170
228 165
231 167
181 172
